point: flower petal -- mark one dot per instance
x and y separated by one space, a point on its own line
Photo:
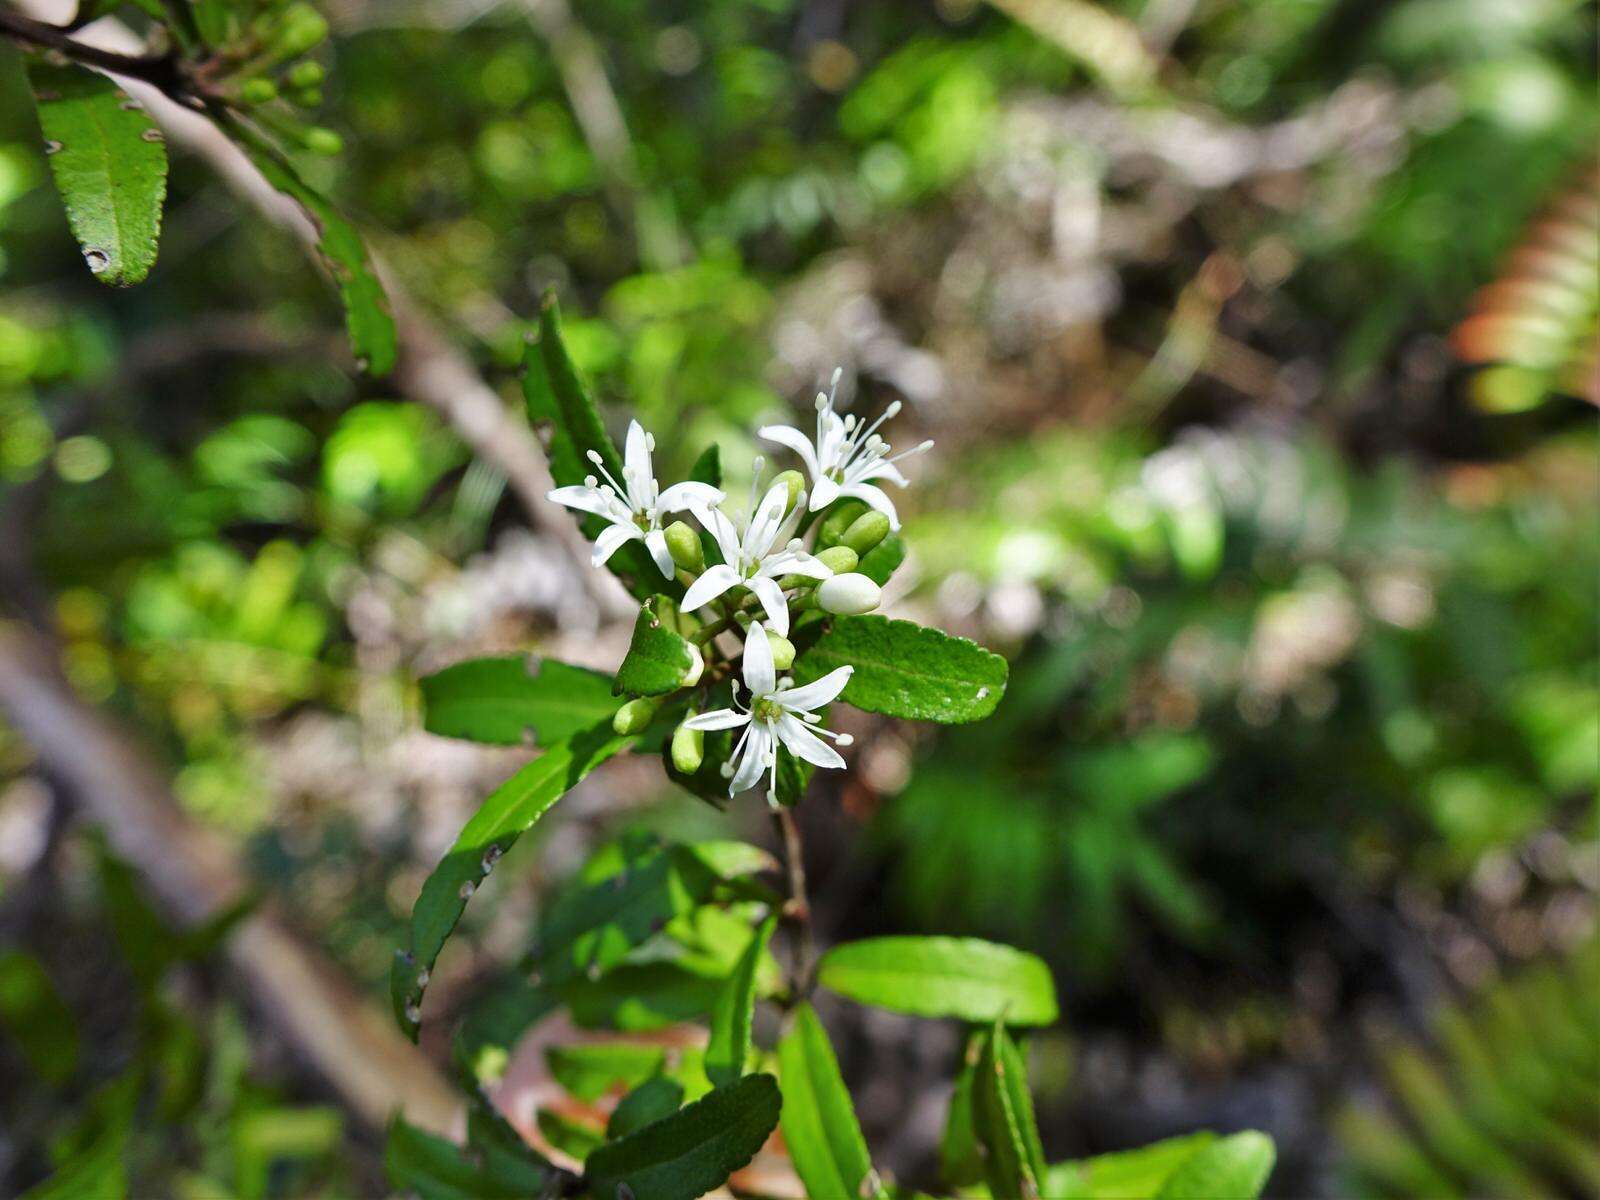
768 519
710 585
796 563
788 435
758 748
721 530
809 697
875 496
584 499
638 475
718 718
689 495
657 542
823 493
773 601
612 539
802 743
759 675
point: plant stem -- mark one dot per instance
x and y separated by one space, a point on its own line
38 35
797 912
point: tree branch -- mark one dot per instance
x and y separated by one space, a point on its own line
797 912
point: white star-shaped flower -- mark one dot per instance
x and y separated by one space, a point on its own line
778 715
635 505
847 455
756 557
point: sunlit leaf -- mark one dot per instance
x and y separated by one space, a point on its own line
819 1122
728 1051
503 700
906 670
943 977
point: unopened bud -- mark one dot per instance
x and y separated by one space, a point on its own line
306 75
633 716
796 483
306 97
301 28
684 545
323 141
866 531
831 531
688 749
782 651
258 91
849 594
841 560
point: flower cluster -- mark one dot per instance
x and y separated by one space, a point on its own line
765 578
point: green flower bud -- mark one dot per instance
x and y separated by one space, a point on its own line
324 141
866 531
688 749
782 651
684 544
306 75
831 531
633 716
258 91
301 28
841 560
850 595
696 668
796 483
306 97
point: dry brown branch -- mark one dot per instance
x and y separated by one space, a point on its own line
193 875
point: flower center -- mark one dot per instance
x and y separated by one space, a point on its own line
642 520
766 710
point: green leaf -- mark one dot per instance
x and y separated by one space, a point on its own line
590 929
554 393
33 1014
92 1168
685 1155
1231 1168
639 997
819 1122
960 1160
728 1051
502 818
654 1099
505 1157
435 1168
1139 1172
1002 1111
591 1070
905 670
943 977
659 659
576 1139
502 701
366 309
708 467
109 160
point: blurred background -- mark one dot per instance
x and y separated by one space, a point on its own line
1258 340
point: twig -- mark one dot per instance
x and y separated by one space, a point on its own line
797 912
161 72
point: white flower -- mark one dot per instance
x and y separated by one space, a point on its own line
847 456
779 715
635 505
758 557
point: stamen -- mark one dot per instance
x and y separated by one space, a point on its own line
594 457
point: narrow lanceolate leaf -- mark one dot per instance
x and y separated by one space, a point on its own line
708 467
819 1122
1139 1172
728 1051
1002 1112
656 1098
903 669
960 1160
591 1070
590 929
685 1155
366 309
943 977
510 701
659 658
110 165
502 818
555 393
1231 1168
435 1168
